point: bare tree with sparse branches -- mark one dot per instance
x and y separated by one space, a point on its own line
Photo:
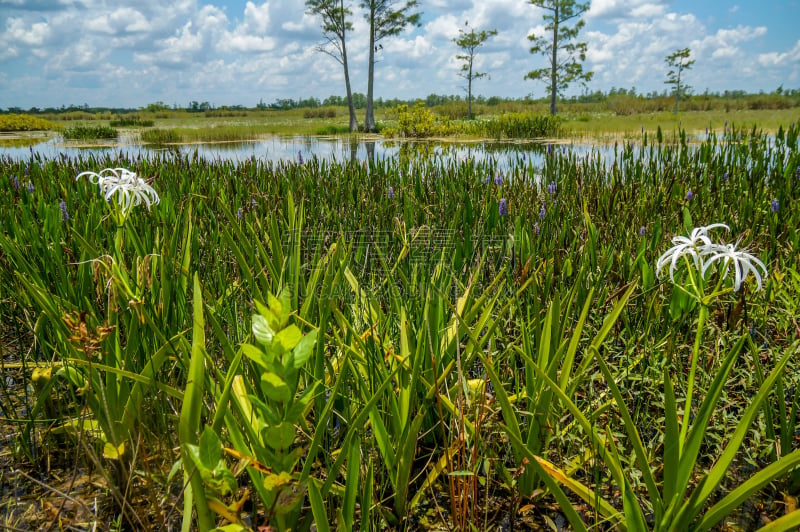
335 25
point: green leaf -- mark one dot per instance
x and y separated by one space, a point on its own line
288 338
733 499
277 480
302 351
276 307
687 220
280 436
275 387
297 410
210 448
259 356
262 331
318 507
269 315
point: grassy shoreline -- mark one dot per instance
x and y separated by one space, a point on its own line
183 127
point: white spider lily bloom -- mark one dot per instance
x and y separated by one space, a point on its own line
743 263
691 246
129 188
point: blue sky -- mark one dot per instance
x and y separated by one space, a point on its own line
131 53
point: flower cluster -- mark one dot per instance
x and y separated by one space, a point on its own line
704 253
130 189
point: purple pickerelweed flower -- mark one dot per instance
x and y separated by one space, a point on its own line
503 208
300 157
551 189
498 179
642 230
542 212
689 195
30 187
725 176
15 182
536 228
390 193
775 205
64 213
239 213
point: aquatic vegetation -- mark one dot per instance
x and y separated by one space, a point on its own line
404 343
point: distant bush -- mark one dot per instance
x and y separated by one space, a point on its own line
160 136
324 112
23 122
419 122
72 116
454 111
131 122
225 113
520 126
90 133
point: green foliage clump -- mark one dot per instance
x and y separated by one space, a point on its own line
419 122
15 122
131 122
521 125
90 133
160 136
327 112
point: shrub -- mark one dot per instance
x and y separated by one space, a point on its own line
160 136
131 122
521 125
15 122
419 122
327 112
90 133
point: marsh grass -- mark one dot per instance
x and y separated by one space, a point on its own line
93 132
468 364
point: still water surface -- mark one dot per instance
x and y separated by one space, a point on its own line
305 148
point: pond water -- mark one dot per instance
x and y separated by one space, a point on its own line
332 149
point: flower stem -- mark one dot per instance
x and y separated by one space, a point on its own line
687 407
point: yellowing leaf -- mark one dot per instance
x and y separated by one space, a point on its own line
113 453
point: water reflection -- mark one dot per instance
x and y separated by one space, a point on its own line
333 149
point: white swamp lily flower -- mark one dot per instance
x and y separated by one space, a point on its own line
130 189
691 246
743 263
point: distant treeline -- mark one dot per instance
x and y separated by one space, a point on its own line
618 100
